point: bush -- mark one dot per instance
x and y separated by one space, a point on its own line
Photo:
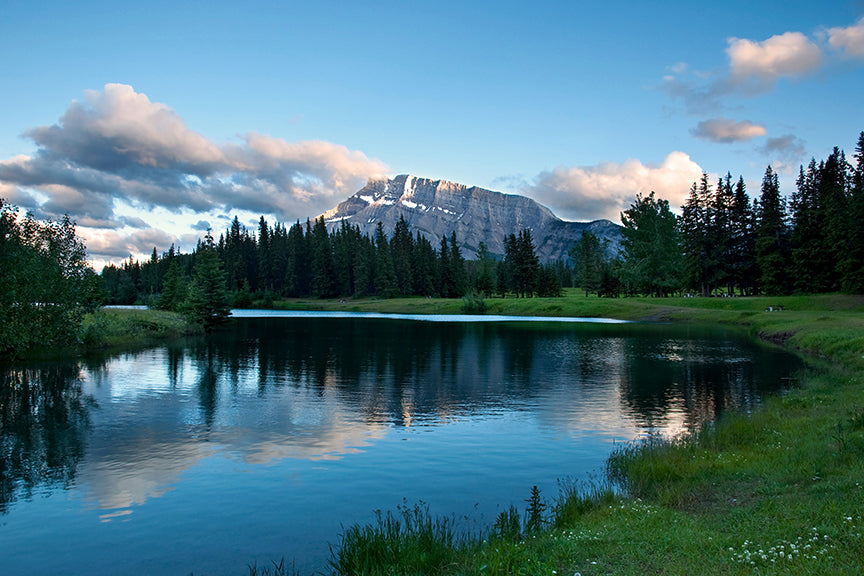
473 304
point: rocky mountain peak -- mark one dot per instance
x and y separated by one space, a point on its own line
436 208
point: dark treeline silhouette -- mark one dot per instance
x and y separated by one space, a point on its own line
724 243
308 261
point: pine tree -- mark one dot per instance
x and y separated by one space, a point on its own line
485 284
853 278
521 264
207 303
322 261
457 266
772 253
721 235
742 242
174 288
402 252
423 266
298 278
264 257
589 255
446 284
696 237
833 193
385 274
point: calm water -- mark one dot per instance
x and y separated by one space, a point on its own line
211 454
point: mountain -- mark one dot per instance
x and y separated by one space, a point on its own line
436 208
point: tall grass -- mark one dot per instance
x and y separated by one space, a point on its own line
109 328
409 541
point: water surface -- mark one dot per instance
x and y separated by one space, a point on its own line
262 441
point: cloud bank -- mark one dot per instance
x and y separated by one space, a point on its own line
119 148
605 190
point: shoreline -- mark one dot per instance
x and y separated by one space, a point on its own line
728 498
779 490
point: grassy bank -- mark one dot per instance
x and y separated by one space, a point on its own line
780 491
122 329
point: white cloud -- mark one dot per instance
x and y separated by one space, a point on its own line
727 131
605 190
112 245
756 66
119 128
849 40
118 148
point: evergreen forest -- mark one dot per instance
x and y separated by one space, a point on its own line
723 243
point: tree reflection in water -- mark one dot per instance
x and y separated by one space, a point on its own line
44 418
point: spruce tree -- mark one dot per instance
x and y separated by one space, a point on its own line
457 266
742 240
485 280
322 261
174 288
402 253
853 278
589 255
772 255
695 228
385 274
207 303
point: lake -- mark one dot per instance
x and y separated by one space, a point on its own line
261 442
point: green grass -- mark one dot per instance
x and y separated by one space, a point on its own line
780 491
120 328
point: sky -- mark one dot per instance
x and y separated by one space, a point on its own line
148 123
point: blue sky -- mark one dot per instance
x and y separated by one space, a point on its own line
148 122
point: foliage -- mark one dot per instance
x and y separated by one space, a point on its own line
207 303
521 265
473 304
534 513
410 541
772 253
650 247
45 283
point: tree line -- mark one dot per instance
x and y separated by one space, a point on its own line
724 243
308 261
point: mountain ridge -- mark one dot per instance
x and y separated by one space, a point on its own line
435 208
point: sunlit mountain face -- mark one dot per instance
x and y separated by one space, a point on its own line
437 208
